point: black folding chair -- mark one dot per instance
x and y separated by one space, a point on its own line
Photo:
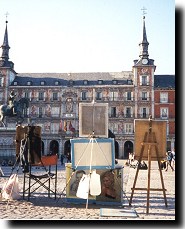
43 178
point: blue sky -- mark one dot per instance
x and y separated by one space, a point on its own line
87 35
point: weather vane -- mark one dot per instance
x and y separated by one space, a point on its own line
6 16
144 11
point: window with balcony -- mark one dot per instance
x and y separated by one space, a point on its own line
144 95
26 95
163 97
84 95
113 112
41 96
128 128
164 113
129 97
128 112
98 95
40 112
144 112
55 96
144 80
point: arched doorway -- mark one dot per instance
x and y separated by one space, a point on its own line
128 148
67 147
54 147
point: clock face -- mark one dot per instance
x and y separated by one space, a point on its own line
144 61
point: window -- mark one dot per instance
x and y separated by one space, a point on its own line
40 112
129 82
55 96
144 80
128 128
26 95
98 95
1 84
163 97
113 112
114 81
128 112
100 81
129 95
71 82
164 113
29 83
41 95
15 83
144 96
114 95
85 82
84 95
56 83
144 112
42 83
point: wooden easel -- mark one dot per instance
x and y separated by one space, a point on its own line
149 141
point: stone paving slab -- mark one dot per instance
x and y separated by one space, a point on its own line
42 207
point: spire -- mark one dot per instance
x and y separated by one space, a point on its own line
4 59
5 47
144 43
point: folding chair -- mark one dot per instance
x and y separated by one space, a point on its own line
41 179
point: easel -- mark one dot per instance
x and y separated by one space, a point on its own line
149 141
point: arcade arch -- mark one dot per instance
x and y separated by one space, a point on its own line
128 148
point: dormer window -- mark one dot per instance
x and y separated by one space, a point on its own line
114 81
129 82
42 83
71 82
100 81
85 82
29 83
56 83
15 83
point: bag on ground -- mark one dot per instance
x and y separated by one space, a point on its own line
11 188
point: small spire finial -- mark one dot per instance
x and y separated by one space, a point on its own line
6 16
144 12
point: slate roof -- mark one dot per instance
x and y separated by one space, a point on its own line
164 81
77 78
50 79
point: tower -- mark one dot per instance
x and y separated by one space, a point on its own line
7 73
143 71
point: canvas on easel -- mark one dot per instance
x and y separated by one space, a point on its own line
150 145
159 128
93 119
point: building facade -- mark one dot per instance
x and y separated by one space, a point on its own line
54 100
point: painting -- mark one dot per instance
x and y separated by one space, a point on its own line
111 185
158 128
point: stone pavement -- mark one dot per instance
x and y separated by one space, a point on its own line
42 207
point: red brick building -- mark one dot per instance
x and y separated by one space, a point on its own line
164 104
